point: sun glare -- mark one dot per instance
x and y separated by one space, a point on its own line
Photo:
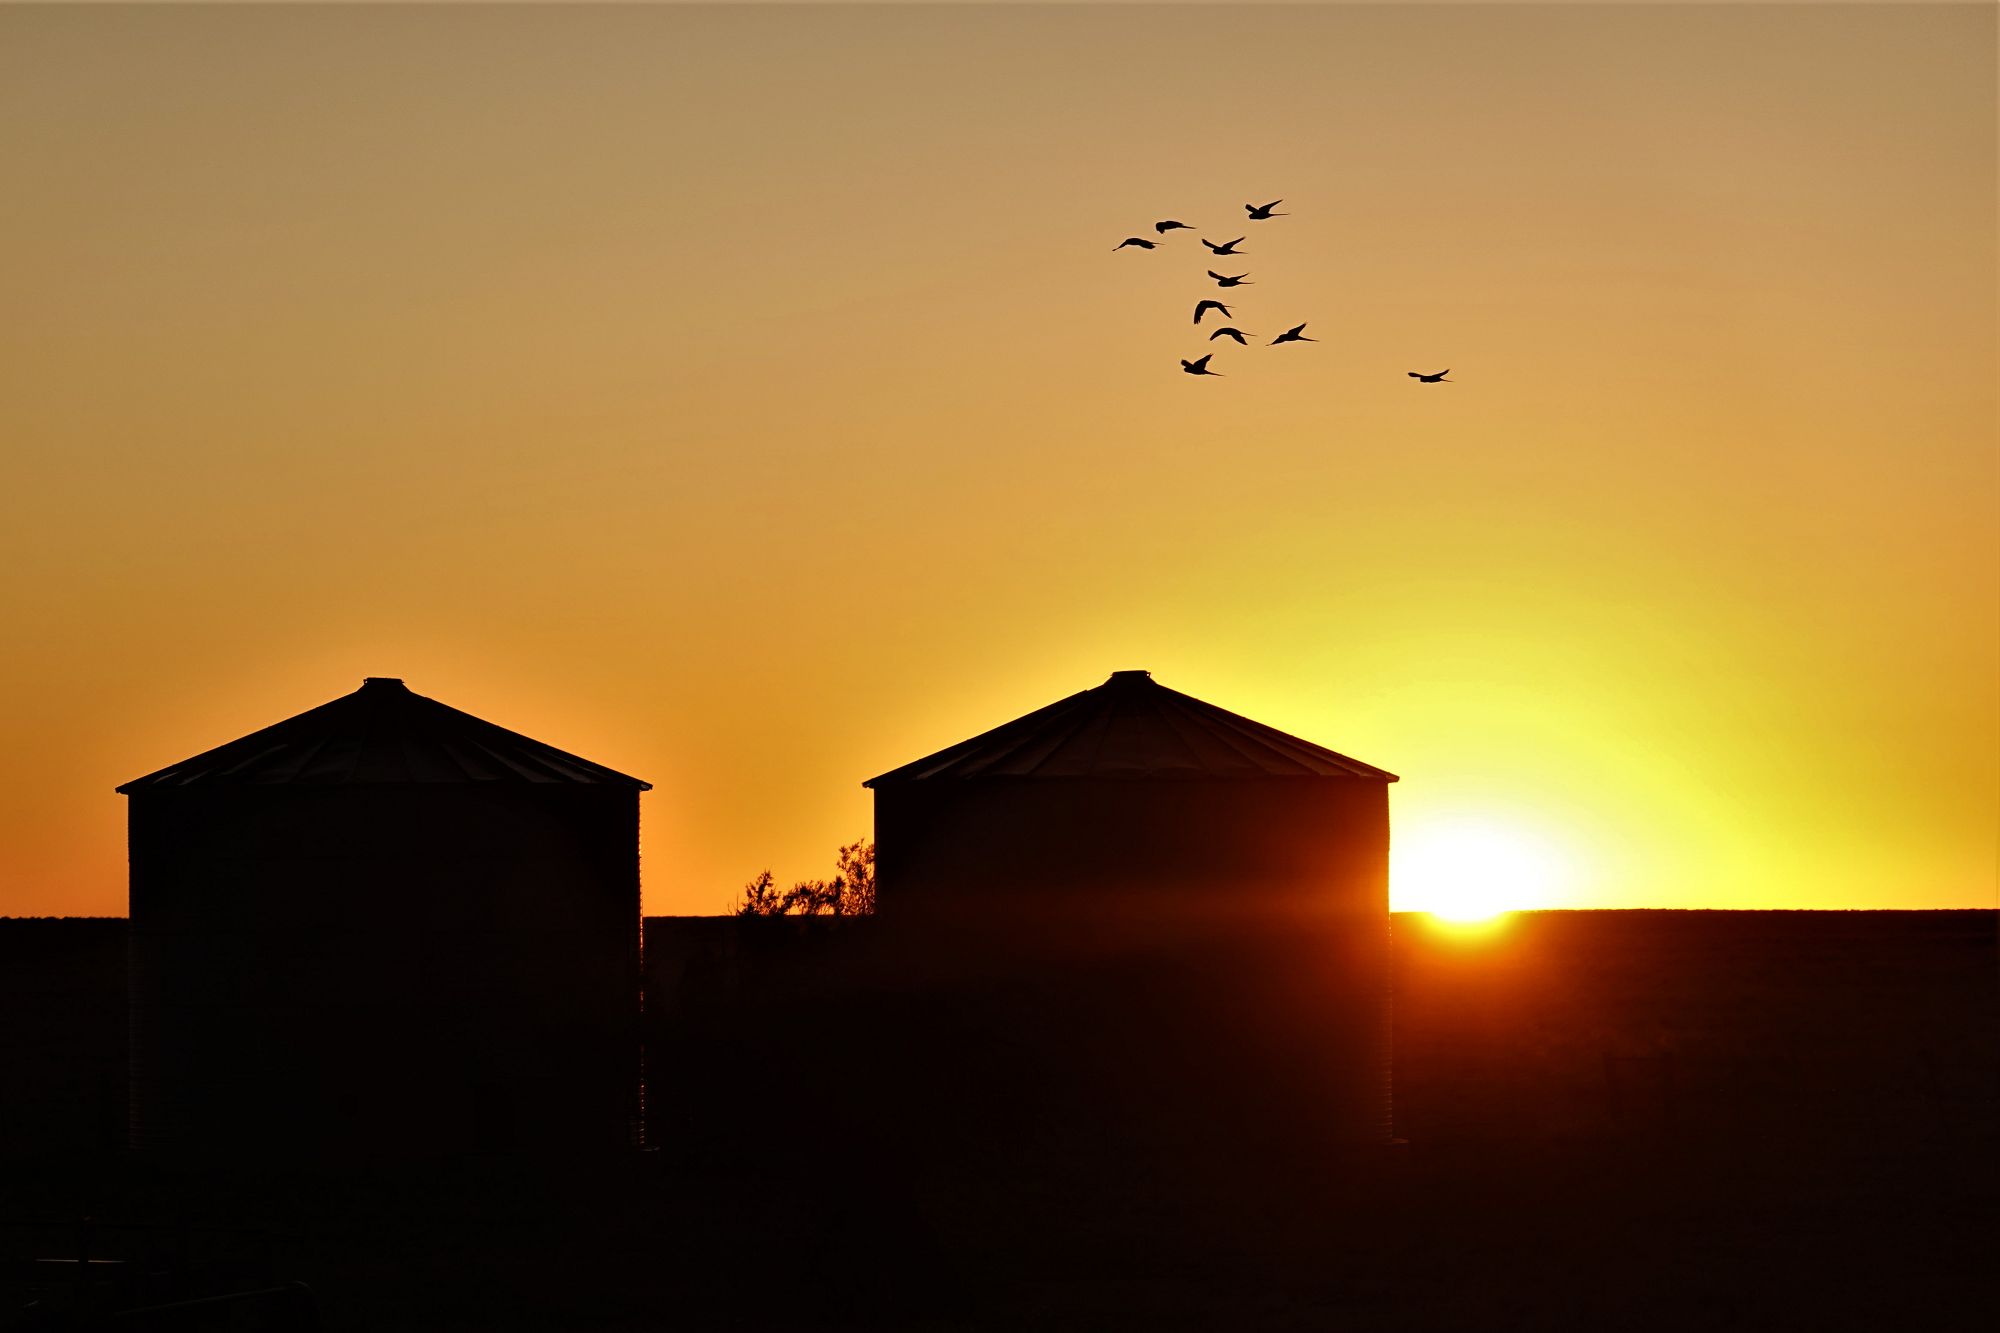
1470 871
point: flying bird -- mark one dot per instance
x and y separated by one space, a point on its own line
1204 307
1293 335
1201 368
1236 281
1438 378
1242 338
1258 212
1170 225
1139 241
1226 248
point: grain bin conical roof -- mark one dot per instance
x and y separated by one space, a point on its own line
1132 727
381 735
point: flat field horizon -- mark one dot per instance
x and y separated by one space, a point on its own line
1653 1120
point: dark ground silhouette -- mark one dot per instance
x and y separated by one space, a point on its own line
1642 1120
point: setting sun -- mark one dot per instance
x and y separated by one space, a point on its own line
1471 870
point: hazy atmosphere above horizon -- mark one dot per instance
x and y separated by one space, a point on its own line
749 398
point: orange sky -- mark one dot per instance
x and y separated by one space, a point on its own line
749 399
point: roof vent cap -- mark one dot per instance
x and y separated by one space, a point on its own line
1131 675
382 682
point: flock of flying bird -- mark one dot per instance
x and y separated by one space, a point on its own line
1295 334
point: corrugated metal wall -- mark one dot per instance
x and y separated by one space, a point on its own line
384 969
1213 934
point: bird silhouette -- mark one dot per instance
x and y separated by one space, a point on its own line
1226 248
1293 335
1438 378
1170 225
1258 212
1205 306
1139 241
1201 368
1236 281
1242 338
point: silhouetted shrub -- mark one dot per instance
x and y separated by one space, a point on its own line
851 891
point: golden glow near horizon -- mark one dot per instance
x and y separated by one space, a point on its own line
1471 868
750 399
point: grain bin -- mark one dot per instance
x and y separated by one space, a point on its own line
383 927
1194 908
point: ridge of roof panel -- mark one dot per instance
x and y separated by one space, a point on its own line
1240 751
988 748
1309 755
382 735
1034 745
1310 758
1173 726
1132 727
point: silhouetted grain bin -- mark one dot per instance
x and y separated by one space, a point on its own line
1135 786
384 926
1202 900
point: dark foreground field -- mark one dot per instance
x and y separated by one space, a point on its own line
1636 1120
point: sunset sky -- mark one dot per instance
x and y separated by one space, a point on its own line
749 398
